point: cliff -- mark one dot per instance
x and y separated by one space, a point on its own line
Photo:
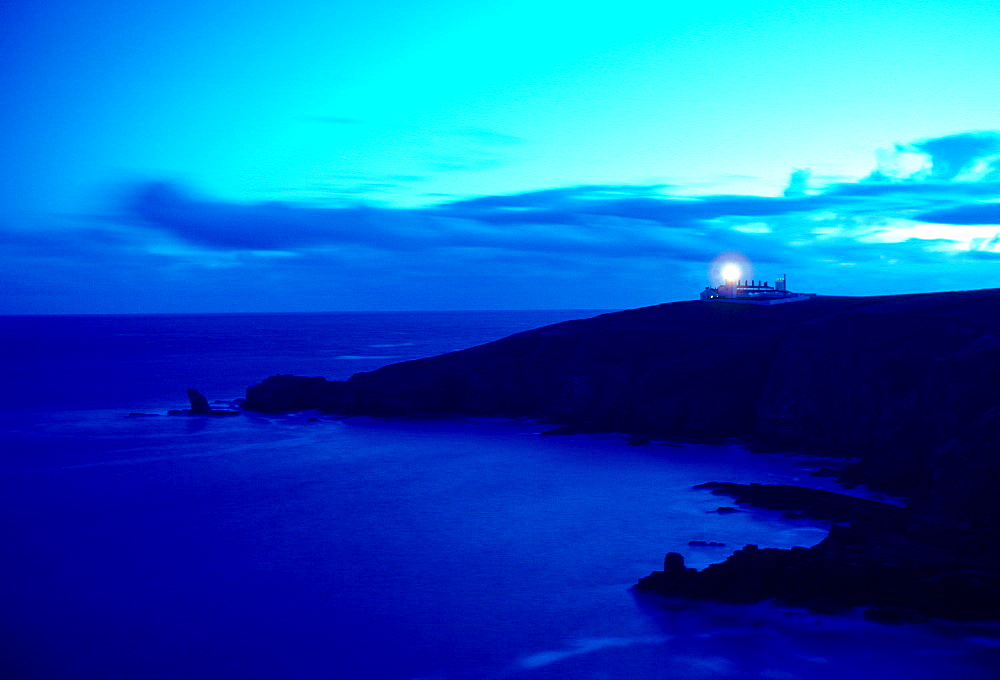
906 383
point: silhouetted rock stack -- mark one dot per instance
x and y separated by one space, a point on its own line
199 404
906 383
200 407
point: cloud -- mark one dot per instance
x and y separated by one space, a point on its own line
933 190
955 155
973 213
861 221
798 183
576 246
235 226
575 205
170 210
969 156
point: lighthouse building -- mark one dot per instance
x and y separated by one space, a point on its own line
754 292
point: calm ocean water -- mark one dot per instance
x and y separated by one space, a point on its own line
284 547
145 361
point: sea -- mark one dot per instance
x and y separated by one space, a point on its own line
308 546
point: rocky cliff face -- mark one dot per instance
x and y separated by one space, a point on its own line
909 383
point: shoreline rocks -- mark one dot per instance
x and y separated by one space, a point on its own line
846 570
881 561
805 502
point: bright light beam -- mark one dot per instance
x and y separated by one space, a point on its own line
730 272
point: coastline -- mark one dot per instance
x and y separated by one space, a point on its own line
196 536
531 541
871 378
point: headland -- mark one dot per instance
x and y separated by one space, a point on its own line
907 384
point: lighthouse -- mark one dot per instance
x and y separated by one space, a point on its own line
751 291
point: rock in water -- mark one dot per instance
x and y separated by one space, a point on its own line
673 564
199 407
199 404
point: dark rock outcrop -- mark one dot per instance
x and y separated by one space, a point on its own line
852 567
285 393
883 560
812 503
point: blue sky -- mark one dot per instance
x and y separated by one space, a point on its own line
223 156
